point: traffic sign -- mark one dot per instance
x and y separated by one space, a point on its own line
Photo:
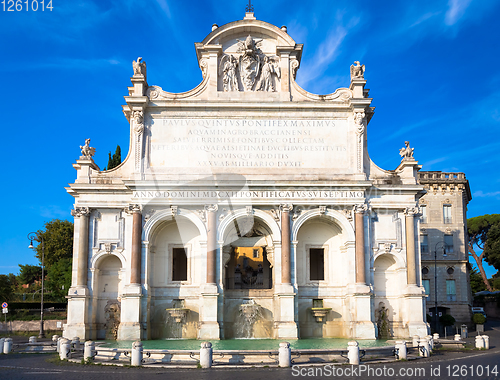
5 304
5 310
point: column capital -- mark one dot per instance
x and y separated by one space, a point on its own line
133 208
286 207
360 209
211 208
411 211
80 211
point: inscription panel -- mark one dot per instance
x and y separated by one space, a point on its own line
249 143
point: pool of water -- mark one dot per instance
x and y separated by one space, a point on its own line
247 344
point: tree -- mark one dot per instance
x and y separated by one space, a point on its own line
28 274
59 278
5 288
58 238
476 281
116 159
479 229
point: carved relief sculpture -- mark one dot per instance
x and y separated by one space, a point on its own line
406 153
357 71
250 61
228 65
269 68
139 67
87 151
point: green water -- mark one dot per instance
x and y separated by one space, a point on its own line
247 344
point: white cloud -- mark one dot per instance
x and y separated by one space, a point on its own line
481 194
456 9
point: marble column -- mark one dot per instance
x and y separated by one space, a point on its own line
410 245
135 270
359 226
211 243
83 244
286 277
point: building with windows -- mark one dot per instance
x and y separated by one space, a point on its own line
247 207
443 243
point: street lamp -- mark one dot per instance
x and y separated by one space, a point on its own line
436 319
37 236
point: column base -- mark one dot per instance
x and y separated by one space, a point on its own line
418 328
209 331
286 330
76 329
129 331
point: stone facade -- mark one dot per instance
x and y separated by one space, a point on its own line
246 207
443 236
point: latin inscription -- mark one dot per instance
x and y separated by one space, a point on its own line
252 143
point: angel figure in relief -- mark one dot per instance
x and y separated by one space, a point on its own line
228 65
250 61
269 68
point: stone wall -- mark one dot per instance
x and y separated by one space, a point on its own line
30 325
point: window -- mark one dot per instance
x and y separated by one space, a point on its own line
450 270
317 264
256 253
448 244
424 245
423 210
425 271
447 214
451 294
427 286
179 264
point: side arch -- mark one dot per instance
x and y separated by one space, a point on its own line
333 215
164 215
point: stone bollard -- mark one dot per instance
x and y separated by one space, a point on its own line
457 336
431 342
425 351
54 338
479 342
136 354
7 345
206 355
353 352
65 348
401 347
59 343
285 355
435 336
32 339
486 340
76 343
416 338
88 350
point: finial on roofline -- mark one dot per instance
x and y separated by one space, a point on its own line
249 8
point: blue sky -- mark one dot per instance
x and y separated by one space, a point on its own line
432 67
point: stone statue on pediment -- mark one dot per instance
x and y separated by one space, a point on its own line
270 68
139 67
250 61
228 65
87 151
406 153
357 71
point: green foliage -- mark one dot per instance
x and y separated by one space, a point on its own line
492 246
114 160
28 274
478 319
447 320
476 281
5 288
59 278
58 237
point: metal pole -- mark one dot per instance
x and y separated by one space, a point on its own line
435 291
42 334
